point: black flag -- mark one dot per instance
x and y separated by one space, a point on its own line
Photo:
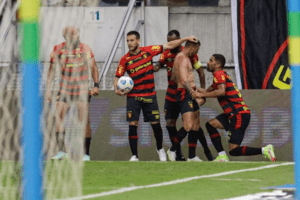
262 40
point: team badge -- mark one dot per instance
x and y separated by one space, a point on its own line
166 112
190 104
169 69
156 116
145 56
129 114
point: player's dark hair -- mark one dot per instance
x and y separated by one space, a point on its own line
190 44
174 32
220 58
137 35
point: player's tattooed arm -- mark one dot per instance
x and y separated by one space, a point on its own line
188 87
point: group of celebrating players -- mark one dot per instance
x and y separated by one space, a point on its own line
75 58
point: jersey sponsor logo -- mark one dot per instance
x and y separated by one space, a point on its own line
140 67
190 104
75 65
155 48
129 114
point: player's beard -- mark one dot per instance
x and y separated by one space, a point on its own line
209 69
135 48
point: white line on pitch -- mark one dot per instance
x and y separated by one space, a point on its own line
127 189
235 179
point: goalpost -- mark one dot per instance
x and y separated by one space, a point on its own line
31 100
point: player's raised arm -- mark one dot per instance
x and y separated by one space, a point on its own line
175 43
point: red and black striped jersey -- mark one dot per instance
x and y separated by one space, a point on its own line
140 69
232 103
74 68
167 58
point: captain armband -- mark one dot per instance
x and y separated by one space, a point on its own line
197 65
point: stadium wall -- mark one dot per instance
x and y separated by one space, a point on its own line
212 25
270 124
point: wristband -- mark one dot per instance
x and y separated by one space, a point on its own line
96 85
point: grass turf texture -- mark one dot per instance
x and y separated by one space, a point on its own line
107 176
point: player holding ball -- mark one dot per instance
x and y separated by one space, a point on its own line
139 66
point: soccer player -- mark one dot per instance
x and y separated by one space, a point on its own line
171 107
74 59
183 75
235 118
138 64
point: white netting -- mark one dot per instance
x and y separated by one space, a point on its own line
10 126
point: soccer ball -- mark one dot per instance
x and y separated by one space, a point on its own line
125 83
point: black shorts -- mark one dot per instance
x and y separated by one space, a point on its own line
236 126
148 105
172 109
73 98
186 102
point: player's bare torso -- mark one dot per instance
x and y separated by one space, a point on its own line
183 61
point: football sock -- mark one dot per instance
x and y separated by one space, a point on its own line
192 138
215 137
87 144
133 139
173 136
172 133
180 136
158 135
245 151
60 139
203 142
